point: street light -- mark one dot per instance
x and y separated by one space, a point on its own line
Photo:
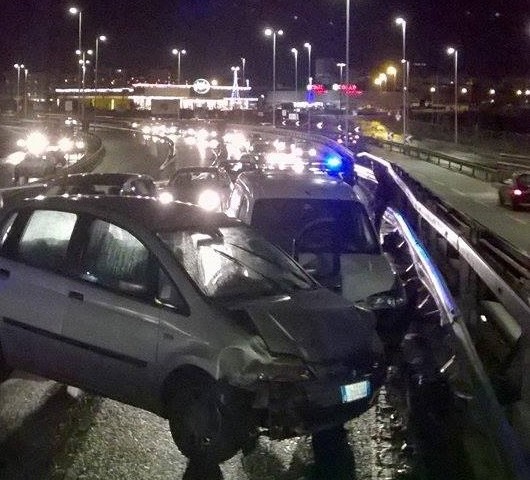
79 13
308 46
341 66
178 53
243 63
18 67
270 32
400 21
347 138
294 51
454 51
100 38
391 71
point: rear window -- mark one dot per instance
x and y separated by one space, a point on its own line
283 220
524 180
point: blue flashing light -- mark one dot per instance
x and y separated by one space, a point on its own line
333 163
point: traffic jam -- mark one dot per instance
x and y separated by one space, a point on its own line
248 296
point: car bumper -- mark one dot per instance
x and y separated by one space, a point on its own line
297 409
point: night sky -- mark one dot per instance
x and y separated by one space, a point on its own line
493 36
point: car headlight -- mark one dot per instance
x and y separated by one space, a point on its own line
394 298
209 200
165 198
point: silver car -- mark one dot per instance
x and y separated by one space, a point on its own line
189 314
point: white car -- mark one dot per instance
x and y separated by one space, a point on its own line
319 220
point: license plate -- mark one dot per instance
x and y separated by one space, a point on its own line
355 391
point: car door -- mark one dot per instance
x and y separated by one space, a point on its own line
34 288
112 322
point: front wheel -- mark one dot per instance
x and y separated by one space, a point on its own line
206 421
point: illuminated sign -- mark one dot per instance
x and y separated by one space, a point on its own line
201 86
351 89
318 88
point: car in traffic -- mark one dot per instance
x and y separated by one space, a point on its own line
186 313
208 187
320 220
515 191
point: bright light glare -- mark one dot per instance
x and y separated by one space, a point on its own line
21 142
333 163
37 143
65 144
165 198
209 200
279 145
517 192
312 152
450 51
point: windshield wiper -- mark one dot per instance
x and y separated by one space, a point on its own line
272 262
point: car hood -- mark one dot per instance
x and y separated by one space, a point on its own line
315 325
363 275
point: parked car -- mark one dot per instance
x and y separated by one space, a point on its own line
515 191
208 187
319 220
186 313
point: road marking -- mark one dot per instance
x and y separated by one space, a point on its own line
438 182
459 192
480 202
524 222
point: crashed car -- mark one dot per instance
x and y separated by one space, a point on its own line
186 313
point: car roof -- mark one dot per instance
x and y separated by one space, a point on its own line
98 178
147 211
289 184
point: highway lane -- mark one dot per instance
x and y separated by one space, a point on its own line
473 197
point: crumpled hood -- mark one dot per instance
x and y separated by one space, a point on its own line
363 275
315 325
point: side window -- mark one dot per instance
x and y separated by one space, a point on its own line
116 259
243 207
45 239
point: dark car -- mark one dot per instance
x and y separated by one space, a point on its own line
186 313
515 191
208 187
86 184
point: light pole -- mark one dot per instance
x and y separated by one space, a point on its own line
25 92
400 21
178 53
341 67
269 32
294 51
83 62
18 67
79 13
454 51
346 122
308 46
243 63
99 38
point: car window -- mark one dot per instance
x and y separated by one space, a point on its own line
524 180
235 199
114 258
45 239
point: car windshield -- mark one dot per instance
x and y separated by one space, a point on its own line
316 225
235 262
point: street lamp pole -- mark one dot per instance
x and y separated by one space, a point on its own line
79 13
294 51
346 122
178 53
454 51
25 92
243 63
270 32
18 67
98 39
401 21
308 46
